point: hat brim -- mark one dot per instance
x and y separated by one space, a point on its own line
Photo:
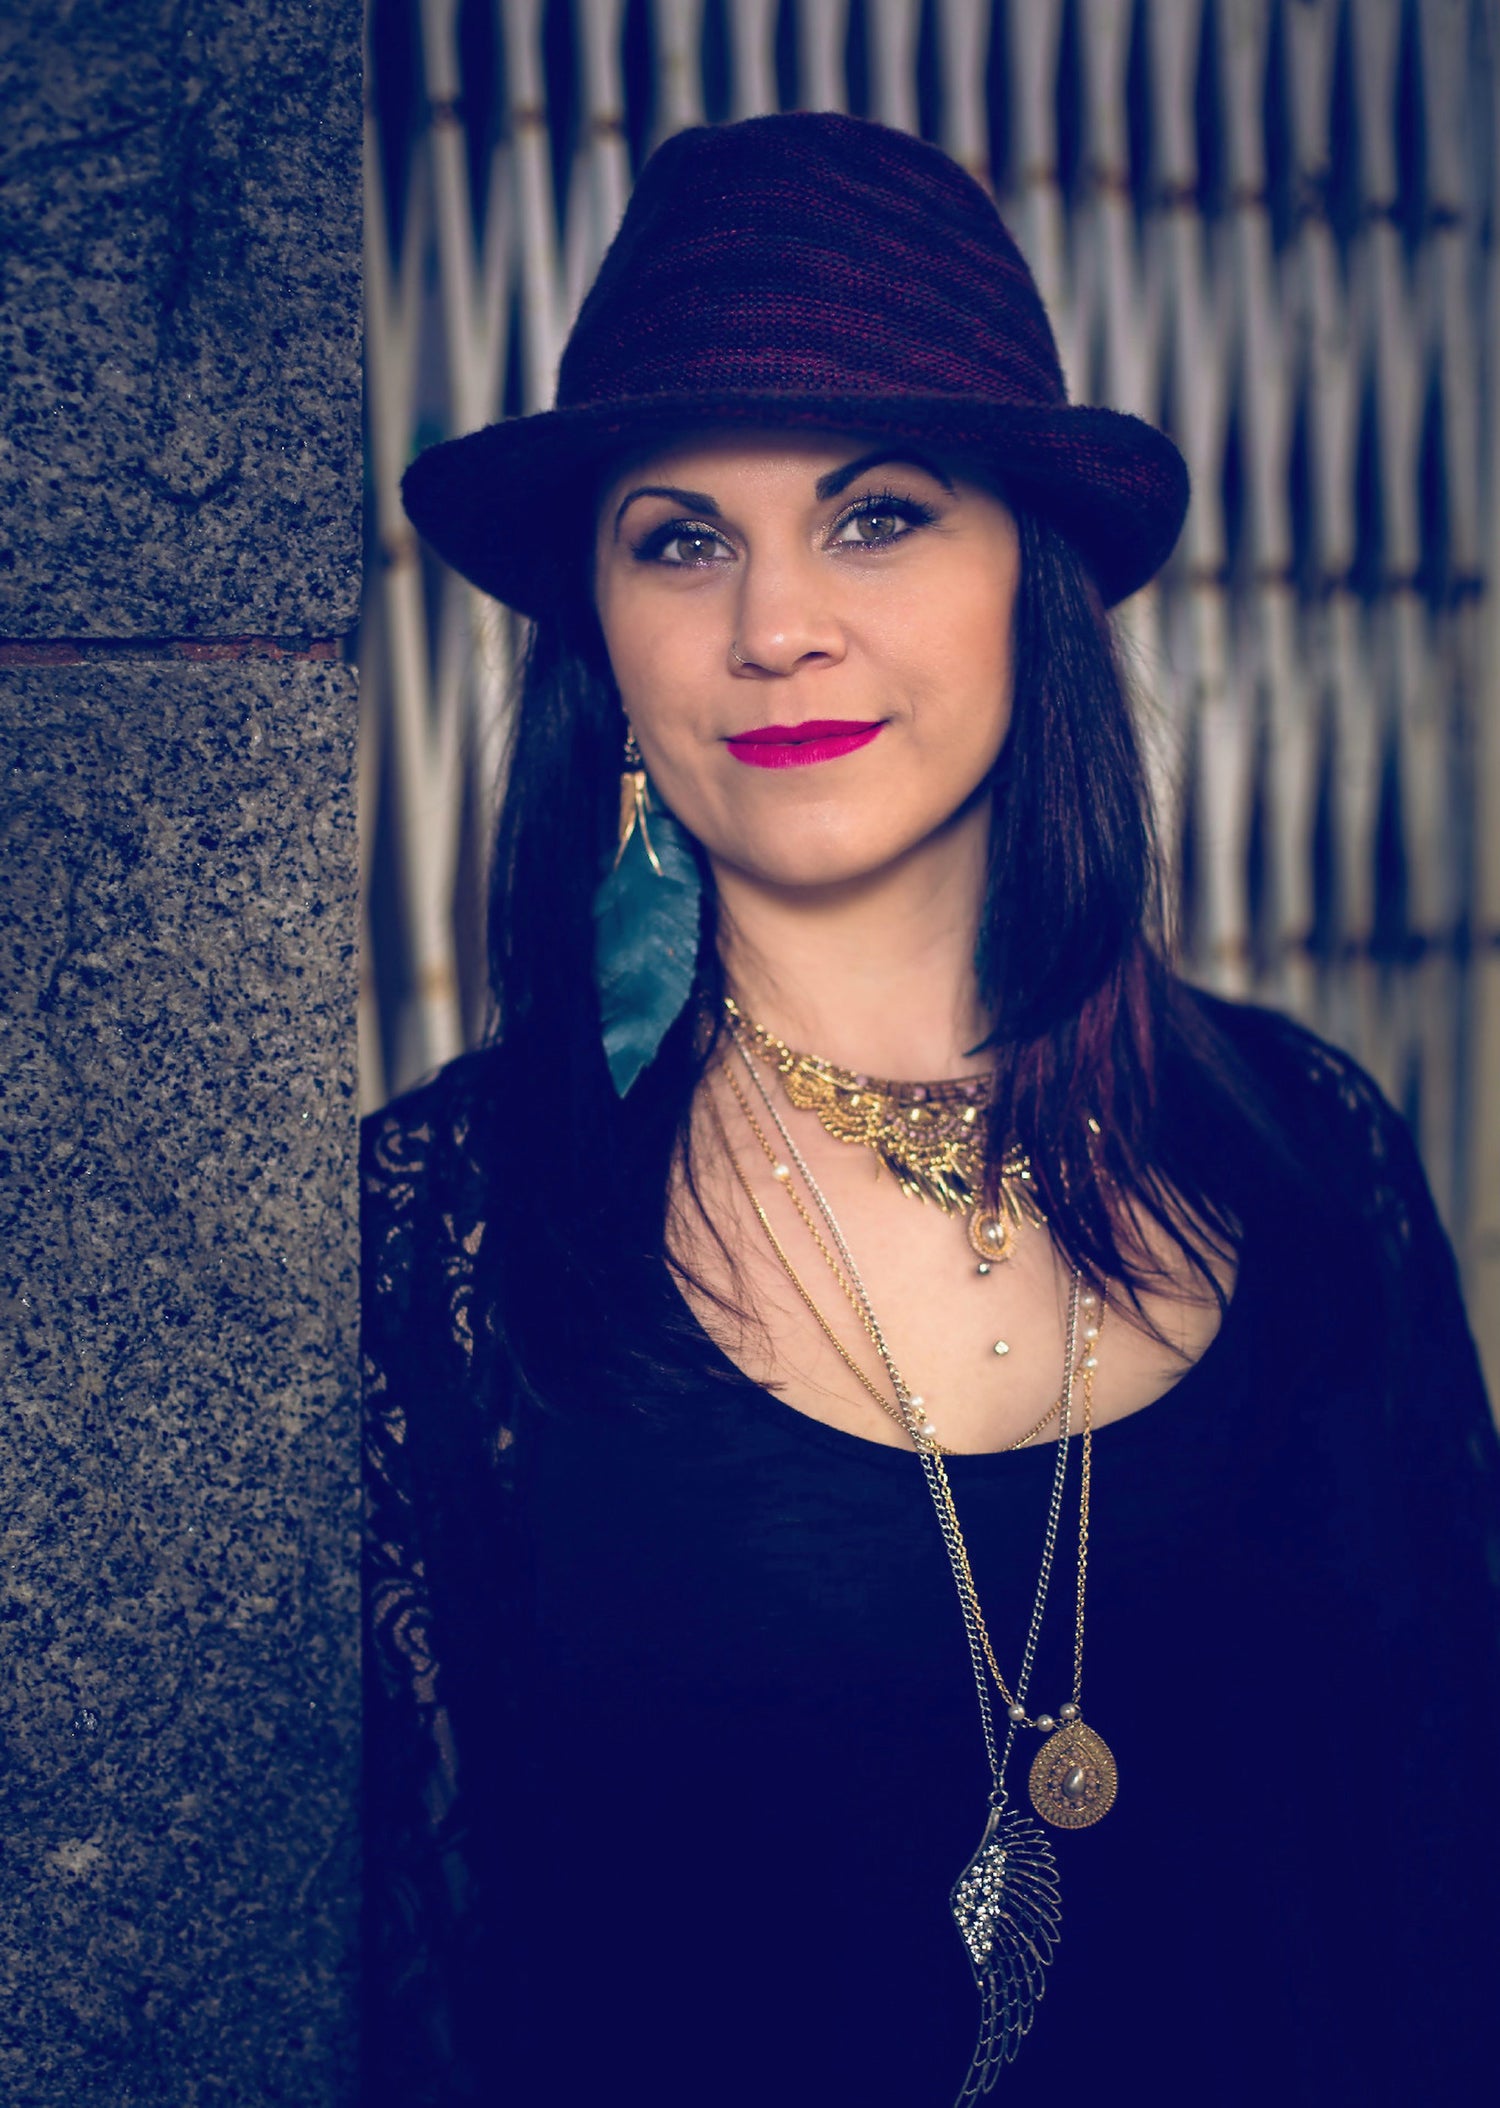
501 505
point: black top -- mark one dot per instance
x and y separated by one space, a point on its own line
674 1752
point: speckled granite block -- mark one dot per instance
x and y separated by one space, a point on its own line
179 318
177 1274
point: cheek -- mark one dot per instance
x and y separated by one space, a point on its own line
958 667
659 670
650 653
990 700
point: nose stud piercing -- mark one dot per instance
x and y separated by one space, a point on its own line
734 653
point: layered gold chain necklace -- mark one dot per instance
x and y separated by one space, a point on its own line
1006 1901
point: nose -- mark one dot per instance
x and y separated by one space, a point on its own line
784 617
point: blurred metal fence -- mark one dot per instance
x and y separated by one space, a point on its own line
1268 225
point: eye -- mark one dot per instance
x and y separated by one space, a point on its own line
698 543
880 519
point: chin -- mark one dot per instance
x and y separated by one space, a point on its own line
813 861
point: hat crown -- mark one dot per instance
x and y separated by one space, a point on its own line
810 254
804 270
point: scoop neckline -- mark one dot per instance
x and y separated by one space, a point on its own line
886 1456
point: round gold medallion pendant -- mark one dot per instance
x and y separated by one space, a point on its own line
1073 1778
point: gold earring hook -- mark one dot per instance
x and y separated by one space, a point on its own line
635 803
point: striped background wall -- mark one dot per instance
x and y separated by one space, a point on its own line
1268 225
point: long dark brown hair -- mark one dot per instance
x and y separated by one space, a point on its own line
1073 965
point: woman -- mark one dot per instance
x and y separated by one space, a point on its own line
869 1375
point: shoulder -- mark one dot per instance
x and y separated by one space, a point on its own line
1302 1075
427 1172
1330 1116
431 1138
1362 1215
1290 1058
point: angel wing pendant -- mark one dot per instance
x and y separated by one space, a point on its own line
1008 1909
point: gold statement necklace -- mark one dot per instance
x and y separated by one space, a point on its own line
930 1136
1006 1901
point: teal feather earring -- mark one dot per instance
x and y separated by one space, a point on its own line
645 928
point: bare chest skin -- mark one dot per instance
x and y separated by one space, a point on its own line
941 1318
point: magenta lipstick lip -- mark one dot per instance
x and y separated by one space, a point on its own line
797 746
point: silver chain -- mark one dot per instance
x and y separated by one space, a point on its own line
933 1469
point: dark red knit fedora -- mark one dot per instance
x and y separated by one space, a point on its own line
805 270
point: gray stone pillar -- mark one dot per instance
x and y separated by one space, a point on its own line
179 566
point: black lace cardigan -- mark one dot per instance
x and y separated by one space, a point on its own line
441 1477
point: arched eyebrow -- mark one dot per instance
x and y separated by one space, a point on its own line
829 486
839 479
689 500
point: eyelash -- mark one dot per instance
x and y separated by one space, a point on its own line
871 506
875 502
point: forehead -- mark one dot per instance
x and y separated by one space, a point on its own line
703 452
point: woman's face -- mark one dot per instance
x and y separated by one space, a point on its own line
864 587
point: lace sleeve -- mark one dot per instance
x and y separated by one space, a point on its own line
1438 1435
1420 1471
1444 1589
1442 1427
428 1447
